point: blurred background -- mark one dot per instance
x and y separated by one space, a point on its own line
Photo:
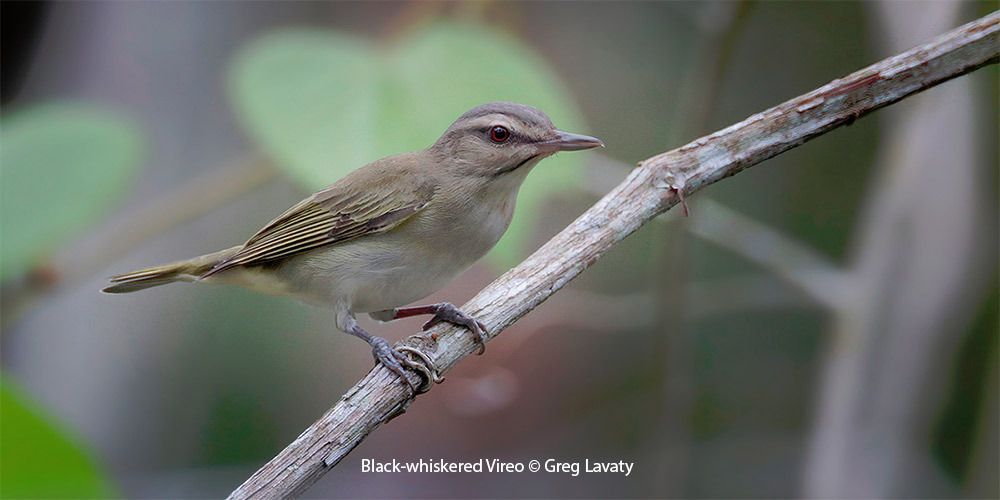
823 325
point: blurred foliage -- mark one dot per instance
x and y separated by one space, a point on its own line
236 421
63 166
323 103
40 460
237 428
957 427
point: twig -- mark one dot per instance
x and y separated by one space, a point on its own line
647 192
669 444
792 261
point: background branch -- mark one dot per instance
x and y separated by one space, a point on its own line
917 271
793 262
109 242
822 280
647 192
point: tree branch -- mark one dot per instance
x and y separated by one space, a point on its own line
797 264
657 185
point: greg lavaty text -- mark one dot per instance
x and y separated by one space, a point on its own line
496 465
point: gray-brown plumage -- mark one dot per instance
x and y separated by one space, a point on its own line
392 231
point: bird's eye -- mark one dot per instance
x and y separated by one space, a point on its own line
499 134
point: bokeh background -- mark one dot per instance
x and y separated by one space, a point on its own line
822 325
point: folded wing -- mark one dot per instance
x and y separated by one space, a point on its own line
334 215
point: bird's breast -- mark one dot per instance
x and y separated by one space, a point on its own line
468 231
405 264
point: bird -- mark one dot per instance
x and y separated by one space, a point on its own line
390 232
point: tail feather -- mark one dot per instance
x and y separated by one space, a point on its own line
185 270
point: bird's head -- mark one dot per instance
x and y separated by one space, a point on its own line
500 138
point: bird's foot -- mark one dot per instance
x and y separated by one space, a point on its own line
446 311
395 360
442 311
425 365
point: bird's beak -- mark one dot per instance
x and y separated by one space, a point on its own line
566 141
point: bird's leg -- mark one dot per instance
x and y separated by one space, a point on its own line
385 354
442 311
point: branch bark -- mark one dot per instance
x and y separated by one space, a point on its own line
657 185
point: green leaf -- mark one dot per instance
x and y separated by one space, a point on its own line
323 104
39 460
308 98
62 167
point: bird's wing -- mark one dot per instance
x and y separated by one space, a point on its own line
334 215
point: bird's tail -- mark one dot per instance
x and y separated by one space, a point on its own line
185 270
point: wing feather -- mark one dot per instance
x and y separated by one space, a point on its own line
334 215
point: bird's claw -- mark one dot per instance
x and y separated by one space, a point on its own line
451 314
394 360
425 367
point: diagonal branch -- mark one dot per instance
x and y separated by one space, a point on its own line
797 264
657 185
